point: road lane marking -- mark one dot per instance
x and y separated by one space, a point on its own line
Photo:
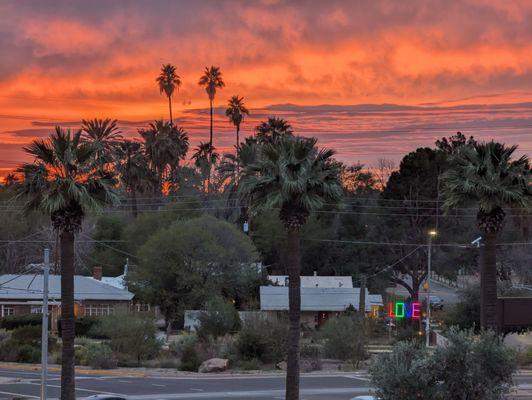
19 395
156 384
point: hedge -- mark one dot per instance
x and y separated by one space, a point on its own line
16 321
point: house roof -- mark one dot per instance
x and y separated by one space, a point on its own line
275 298
29 287
118 282
315 281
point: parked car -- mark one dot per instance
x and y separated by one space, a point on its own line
364 398
436 303
105 397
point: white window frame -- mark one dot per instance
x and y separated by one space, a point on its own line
99 309
7 310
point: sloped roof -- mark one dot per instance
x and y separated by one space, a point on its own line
29 287
275 298
316 281
115 281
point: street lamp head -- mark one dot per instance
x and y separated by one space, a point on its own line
433 232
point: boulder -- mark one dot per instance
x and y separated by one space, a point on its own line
281 365
214 365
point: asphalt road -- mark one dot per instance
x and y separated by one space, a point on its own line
26 384
215 387
449 295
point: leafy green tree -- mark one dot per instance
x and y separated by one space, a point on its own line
487 175
295 177
466 313
236 110
168 82
212 80
184 265
65 181
109 227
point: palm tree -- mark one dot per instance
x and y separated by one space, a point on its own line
236 111
11 180
104 135
168 81
272 129
133 169
486 175
66 182
204 158
212 80
294 176
165 145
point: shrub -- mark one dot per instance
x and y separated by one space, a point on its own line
130 336
28 354
100 356
404 374
219 319
343 339
23 344
189 358
16 321
477 368
264 340
85 326
466 313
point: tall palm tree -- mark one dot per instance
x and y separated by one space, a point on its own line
204 158
272 129
133 170
104 135
236 111
485 174
212 80
66 182
294 176
165 145
168 81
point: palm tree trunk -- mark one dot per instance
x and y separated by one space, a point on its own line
294 315
488 282
170 107
67 316
210 138
237 149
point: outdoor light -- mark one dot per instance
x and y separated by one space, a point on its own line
433 233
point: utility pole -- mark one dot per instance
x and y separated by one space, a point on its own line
362 297
44 336
427 320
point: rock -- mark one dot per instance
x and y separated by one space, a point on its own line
214 365
281 365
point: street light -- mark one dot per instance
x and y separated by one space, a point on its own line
432 233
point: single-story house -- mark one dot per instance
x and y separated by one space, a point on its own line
315 281
23 294
317 303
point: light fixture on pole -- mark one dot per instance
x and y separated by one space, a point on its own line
432 233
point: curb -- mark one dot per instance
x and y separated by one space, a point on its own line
22 367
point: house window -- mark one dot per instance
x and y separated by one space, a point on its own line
142 307
98 310
36 309
7 311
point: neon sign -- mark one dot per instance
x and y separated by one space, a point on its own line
401 310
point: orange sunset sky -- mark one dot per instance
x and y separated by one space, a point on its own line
371 79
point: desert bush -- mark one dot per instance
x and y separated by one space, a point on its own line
249 365
132 337
16 321
85 327
23 344
468 367
219 319
404 374
343 339
100 355
474 367
263 340
189 357
182 341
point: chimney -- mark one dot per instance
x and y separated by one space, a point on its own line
97 273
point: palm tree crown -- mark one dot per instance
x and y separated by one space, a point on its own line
104 135
236 110
212 80
168 80
272 129
486 174
65 180
291 174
